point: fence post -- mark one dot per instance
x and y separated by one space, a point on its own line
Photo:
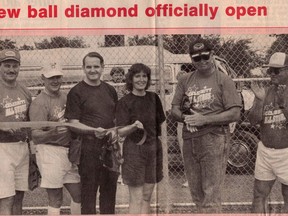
164 186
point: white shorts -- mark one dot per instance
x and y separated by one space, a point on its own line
55 167
271 164
14 166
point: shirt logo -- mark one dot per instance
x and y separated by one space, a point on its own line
200 98
16 108
274 117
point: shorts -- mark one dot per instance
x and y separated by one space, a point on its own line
14 166
142 164
271 164
55 167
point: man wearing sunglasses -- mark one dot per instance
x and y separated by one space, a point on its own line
206 101
270 110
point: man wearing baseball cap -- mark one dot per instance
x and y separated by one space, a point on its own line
52 145
206 101
14 164
270 110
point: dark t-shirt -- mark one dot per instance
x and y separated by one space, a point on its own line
146 109
274 130
92 105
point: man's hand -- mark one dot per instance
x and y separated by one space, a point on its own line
100 132
191 129
11 130
196 119
258 90
62 129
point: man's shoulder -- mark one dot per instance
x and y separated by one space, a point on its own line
108 85
76 88
223 75
25 90
40 99
185 77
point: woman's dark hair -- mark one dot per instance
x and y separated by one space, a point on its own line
134 69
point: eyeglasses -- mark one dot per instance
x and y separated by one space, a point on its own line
198 57
276 71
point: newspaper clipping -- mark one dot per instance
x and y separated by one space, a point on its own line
143 107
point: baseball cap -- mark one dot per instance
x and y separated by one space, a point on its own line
51 73
278 60
199 46
9 54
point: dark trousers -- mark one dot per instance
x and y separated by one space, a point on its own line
93 176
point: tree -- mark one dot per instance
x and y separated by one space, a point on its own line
142 40
26 47
61 42
7 44
177 43
279 45
239 53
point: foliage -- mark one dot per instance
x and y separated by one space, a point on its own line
7 44
26 47
61 42
237 52
279 45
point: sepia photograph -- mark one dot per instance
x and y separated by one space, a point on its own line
143 124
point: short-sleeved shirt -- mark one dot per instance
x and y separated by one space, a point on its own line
273 127
47 107
92 105
146 109
207 95
14 104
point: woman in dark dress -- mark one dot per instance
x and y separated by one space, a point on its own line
141 115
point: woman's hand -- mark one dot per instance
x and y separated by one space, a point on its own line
138 124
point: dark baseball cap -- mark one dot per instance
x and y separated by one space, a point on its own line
9 54
199 46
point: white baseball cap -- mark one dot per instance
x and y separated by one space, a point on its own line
278 60
51 73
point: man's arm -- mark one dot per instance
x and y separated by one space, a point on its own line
197 119
176 113
256 112
81 128
41 135
125 131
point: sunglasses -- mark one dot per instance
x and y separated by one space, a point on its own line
198 57
276 71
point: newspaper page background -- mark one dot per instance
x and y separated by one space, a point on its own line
22 19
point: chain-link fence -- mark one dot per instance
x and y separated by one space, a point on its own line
240 57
